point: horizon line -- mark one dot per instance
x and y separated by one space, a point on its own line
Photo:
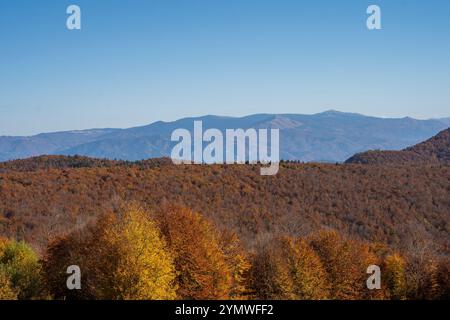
222 116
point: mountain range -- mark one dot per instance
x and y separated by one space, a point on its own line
330 136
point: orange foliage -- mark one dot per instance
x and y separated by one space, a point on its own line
201 264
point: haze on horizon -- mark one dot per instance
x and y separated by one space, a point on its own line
138 62
215 115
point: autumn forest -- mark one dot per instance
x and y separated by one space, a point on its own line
154 230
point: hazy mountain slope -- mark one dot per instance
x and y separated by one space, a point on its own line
46 143
124 148
326 136
445 121
433 151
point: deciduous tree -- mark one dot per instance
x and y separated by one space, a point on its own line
20 270
122 256
201 264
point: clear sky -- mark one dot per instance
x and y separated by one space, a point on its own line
138 61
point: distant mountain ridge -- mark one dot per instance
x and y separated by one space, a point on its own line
46 143
327 136
433 151
445 121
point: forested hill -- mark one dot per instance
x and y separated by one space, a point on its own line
394 203
66 162
433 151
389 204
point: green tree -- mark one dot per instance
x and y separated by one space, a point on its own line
20 267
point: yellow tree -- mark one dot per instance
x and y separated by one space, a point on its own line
3 243
394 276
307 272
20 270
287 268
6 290
121 256
144 268
238 263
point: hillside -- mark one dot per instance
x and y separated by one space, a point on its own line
445 121
46 143
329 136
433 151
67 162
391 204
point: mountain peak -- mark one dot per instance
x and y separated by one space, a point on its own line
280 122
333 112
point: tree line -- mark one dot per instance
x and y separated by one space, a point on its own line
177 253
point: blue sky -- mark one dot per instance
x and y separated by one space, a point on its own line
135 61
